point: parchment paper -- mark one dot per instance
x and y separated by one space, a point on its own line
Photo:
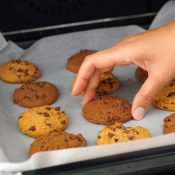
50 55
165 15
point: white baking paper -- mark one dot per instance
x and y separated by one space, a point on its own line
165 15
50 54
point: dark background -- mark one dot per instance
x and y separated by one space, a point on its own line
26 14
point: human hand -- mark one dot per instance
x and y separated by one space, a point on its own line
153 50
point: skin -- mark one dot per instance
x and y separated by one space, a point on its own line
153 50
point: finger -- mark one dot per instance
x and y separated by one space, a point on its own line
108 70
99 61
91 88
145 96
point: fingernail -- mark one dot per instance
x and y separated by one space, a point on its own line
139 113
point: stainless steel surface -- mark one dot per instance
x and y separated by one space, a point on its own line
104 20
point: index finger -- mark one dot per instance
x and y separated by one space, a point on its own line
97 61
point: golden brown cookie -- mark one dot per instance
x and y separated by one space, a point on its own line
56 141
35 94
19 71
169 124
38 121
141 75
107 110
119 133
165 99
108 84
75 61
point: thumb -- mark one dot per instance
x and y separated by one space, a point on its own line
145 96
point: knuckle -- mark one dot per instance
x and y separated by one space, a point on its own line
87 59
147 97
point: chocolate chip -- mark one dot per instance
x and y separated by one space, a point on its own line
26 97
10 68
79 139
116 140
99 137
131 137
20 117
40 113
45 114
57 108
32 128
71 137
37 96
171 94
111 85
110 135
171 84
63 122
164 107
104 92
20 70
48 108
48 124
26 73
17 61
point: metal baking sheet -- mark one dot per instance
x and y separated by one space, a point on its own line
50 54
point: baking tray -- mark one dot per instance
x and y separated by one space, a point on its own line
50 55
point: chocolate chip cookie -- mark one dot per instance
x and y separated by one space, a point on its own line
35 94
56 141
75 61
38 121
119 133
107 110
19 71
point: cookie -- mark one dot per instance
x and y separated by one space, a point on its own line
75 61
35 94
169 124
165 99
108 84
119 133
19 71
140 74
56 141
38 121
107 110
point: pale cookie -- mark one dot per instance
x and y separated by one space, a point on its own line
107 110
42 120
19 71
56 141
35 94
119 133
